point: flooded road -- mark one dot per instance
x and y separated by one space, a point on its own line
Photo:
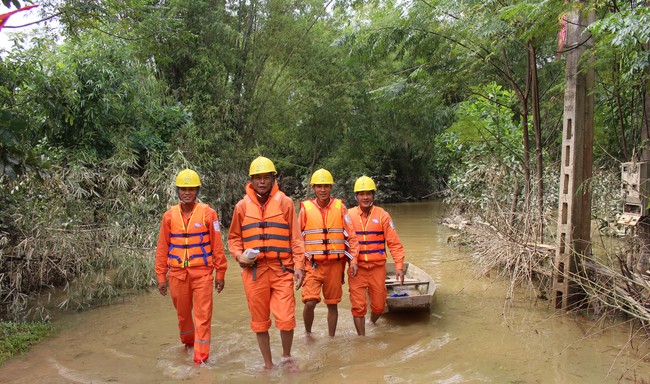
471 336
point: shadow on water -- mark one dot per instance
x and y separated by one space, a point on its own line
407 318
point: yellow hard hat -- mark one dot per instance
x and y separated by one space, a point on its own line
188 178
322 176
261 165
364 183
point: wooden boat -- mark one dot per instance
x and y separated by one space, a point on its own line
416 294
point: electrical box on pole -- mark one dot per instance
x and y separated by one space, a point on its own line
634 187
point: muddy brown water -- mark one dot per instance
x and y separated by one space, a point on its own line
473 335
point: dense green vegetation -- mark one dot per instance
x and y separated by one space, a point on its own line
431 98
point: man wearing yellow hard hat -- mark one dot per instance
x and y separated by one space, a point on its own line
330 242
375 231
189 250
265 240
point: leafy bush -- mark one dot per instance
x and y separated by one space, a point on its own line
17 338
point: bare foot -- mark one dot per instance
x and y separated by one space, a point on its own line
289 365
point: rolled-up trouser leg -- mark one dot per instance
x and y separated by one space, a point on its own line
377 289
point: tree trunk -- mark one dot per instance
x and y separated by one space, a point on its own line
523 101
537 128
619 110
526 140
644 224
246 27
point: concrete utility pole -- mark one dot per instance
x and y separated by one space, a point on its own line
643 264
574 215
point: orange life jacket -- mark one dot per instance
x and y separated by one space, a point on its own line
325 237
189 246
372 242
267 230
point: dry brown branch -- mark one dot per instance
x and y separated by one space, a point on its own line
623 291
523 264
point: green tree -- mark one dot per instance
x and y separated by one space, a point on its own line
622 61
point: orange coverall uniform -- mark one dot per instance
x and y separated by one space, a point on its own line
191 279
268 285
327 275
374 233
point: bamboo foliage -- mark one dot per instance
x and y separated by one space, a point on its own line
89 230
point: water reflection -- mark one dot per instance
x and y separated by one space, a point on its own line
473 335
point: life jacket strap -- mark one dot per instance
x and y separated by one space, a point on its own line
284 269
267 236
189 234
361 242
380 251
265 224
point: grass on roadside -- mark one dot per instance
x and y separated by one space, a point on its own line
16 338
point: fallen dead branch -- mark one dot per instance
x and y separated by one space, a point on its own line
523 264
